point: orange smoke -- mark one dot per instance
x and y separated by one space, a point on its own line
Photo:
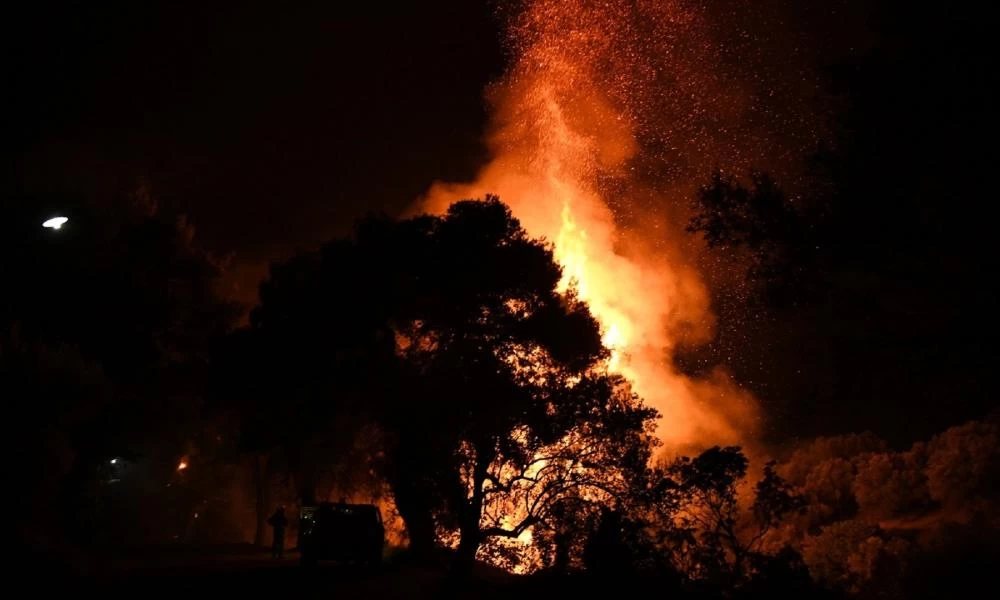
570 130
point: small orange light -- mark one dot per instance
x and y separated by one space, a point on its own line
183 465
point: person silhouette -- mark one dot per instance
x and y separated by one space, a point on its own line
278 522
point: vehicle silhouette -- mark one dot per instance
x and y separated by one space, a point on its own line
341 532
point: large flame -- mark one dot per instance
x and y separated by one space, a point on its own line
571 130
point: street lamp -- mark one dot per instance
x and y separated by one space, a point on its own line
55 223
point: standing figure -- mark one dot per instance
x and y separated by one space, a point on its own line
278 521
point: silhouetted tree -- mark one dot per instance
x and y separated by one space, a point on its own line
55 404
295 410
486 380
886 257
783 575
507 408
127 283
322 351
247 391
717 540
126 287
607 551
760 221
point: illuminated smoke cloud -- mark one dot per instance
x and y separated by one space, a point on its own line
609 117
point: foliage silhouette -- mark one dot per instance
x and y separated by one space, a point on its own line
486 379
701 523
124 289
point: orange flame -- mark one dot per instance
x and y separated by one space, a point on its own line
561 131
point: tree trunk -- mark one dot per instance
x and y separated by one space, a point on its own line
304 473
739 558
415 499
562 540
472 511
471 539
79 502
416 513
307 488
262 483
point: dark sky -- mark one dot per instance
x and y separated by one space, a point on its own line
271 129
274 126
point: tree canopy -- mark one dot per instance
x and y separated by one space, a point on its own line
123 295
488 383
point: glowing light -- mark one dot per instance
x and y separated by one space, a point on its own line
610 116
114 461
573 118
182 465
526 537
614 340
55 222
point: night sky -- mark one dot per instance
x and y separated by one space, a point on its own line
274 127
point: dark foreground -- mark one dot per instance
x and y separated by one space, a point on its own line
244 572
283 579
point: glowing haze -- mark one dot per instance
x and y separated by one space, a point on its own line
606 120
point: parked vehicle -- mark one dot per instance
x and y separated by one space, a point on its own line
341 532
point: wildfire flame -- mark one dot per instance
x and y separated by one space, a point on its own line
568 129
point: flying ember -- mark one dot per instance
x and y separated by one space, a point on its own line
585 104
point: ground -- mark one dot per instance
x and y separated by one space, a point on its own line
248 572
